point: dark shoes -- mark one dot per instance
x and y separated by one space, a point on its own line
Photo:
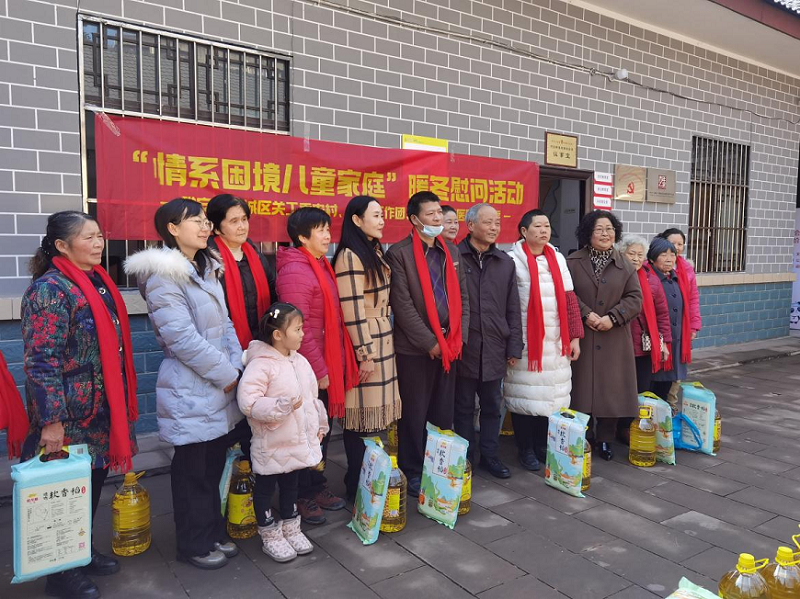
310 512
605 452
101 565
328 501
72 584
529 461
212 560
413 486
495 467
541 453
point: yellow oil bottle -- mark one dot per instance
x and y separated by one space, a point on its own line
586 480
507 429
783 575
466 491
130 517
717 431
394 511
744 581
391 439
643 439
241 513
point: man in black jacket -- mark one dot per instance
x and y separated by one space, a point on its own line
495 334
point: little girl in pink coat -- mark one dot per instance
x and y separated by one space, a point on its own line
278 394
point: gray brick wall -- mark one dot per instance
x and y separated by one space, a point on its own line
367 72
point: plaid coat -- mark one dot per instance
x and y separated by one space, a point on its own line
374 404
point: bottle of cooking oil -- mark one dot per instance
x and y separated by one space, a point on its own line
130 517
391 439
466 491
744 581
643 439
783 575
507 429
394 510
586 480
241 513
717 431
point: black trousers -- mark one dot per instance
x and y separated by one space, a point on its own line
428 395
241 434
490 399
287 498
530 432
354 449
311 481
661 388
602 430
98 480
196 471
644 373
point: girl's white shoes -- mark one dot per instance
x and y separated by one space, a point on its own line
295 537
283 541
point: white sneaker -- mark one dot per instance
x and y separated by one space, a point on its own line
274 544
295 536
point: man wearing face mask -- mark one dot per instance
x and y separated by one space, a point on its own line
429 300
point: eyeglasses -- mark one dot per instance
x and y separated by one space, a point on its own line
200 222
601 230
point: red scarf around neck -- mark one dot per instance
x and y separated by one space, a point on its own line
451 346
119 453
649 311
12 412
235 294
341 377
686 329
536 330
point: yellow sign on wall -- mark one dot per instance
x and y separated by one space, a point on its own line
419 142
560 150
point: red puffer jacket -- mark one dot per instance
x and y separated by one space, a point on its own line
639 324
297 284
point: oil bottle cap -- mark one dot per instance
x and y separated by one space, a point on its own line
244 465
394 461
785 556
748 564
131 478
645 412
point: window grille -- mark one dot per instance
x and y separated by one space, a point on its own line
718 205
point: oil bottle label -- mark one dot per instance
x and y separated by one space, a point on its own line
717 430
587 465
240 509
392 509
466 489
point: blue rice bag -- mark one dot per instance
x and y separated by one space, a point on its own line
373 484
442 475
566 439
700 406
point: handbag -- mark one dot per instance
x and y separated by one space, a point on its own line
647 343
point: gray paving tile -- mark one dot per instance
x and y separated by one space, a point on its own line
370 563
319 579
699 479
527 587
625 474
742 443
769 501
566 572
241 577
649 571
422 583
712 563
721 534
696 460
713 505
781 529
474 568
489 493
782 454
755 478
757 461
550 524
774 437
28 590
533 486
637 502
643 533
792 474
633 592
483 526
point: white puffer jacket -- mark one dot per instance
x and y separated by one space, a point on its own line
539 393
284 439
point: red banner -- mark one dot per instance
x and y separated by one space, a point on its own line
142 163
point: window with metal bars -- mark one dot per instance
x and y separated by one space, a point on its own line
141 72
718 201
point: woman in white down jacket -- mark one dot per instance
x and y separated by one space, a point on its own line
540 383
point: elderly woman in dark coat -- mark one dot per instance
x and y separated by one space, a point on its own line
607 286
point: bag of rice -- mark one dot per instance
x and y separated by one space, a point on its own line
373 483
689 590
566 438
442 475
662 416
700 406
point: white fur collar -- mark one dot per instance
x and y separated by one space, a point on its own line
165 262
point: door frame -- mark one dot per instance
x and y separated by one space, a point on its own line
556 172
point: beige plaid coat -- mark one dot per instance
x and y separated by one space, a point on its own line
374 404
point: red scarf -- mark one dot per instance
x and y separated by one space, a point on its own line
120 453
12 412
686 329
535 312
649 311
450 347
342 377
235 294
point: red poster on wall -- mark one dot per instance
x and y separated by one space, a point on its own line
142 163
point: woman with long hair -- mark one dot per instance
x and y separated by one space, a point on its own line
362 277
196 387
80 378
